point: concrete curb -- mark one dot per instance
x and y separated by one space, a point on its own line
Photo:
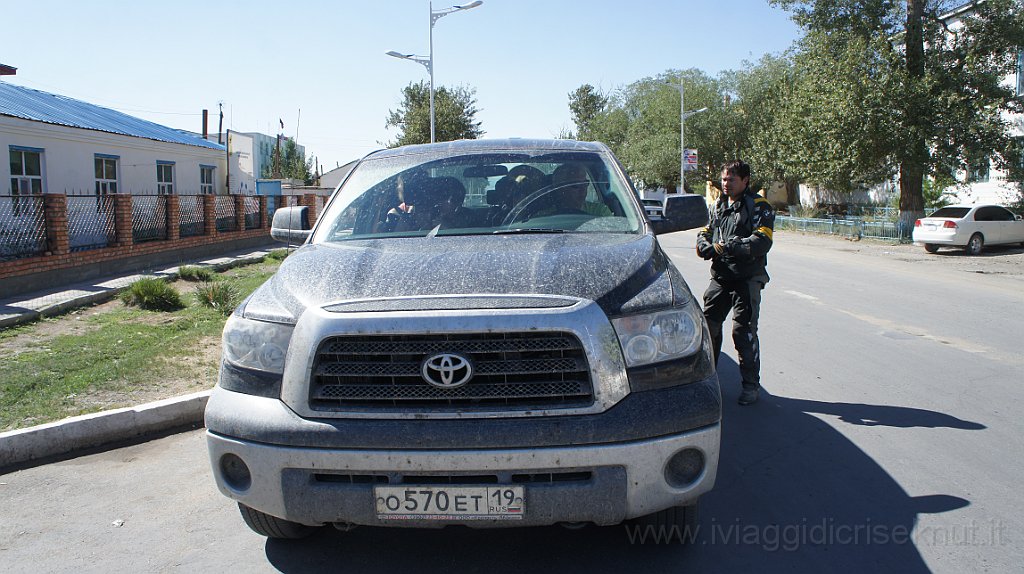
99 429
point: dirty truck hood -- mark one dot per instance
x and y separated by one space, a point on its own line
622 273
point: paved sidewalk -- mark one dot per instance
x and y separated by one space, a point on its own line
65 437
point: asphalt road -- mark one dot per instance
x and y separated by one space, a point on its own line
888 440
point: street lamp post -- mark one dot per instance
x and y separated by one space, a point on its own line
428 62
683 114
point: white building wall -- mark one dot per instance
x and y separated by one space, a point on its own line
69 158
242 175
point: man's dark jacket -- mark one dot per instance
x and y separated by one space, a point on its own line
745 227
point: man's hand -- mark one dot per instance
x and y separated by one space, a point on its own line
719 249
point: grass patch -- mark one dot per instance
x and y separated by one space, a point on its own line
277 255
195 273
127 350
219 295
152 294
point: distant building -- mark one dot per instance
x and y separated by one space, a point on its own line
332 178
58 144
249 153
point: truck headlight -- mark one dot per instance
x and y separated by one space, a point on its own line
256 345
660 336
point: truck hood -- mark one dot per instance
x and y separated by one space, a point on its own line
622 273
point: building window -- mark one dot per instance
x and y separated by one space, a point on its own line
164 178
206 179
978 171
106 174
26 174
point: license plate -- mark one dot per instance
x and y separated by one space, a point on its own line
449 502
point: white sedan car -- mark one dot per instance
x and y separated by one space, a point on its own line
970 227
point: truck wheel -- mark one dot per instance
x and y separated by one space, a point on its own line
975 244
272 526
683 519
931 247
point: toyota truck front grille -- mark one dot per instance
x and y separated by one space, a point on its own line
388 372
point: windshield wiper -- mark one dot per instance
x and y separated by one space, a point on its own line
527 230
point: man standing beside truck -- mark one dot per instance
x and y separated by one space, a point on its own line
737 241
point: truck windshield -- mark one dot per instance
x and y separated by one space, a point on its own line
480 193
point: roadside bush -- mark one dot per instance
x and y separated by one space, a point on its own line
194 273
152 294
217 295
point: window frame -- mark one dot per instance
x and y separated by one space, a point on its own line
164 169
19 179
104 183
207 187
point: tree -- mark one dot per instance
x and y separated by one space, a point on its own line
289 163
585 104
946 107
454 115
641 124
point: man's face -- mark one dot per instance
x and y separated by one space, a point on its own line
733 185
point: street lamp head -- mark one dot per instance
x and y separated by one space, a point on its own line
395 54
468 6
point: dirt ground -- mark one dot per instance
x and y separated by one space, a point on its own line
193 373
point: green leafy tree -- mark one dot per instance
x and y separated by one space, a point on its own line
585 104
289 162
454 115
936 98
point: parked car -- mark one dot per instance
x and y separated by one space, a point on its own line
480 333
970 227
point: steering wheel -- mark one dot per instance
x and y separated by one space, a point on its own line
526 208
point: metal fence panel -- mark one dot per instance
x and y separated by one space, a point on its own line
853 227
22 226
149 218
191 218
226 217
252 212
90 222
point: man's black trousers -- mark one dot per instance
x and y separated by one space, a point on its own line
743 297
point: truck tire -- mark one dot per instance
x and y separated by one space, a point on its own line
272 526
684 519
975 244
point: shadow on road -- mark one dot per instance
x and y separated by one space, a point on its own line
793 494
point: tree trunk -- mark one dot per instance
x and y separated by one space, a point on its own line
912 166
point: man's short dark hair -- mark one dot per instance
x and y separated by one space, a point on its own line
737 167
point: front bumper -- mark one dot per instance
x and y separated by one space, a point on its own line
323 485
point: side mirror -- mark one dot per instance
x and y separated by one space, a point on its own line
291 224
682 212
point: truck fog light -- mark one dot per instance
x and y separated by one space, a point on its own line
684 468
236 473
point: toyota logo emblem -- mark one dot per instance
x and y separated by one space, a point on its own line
447 370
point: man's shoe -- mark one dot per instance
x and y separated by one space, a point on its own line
748 397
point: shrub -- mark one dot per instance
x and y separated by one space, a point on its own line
217 295
194 273
152 294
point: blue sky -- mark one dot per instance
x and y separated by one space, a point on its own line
267 60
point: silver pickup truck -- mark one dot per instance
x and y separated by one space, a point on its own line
484 333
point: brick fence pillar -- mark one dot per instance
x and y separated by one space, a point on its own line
210 215
173 218
264 223
55 211
123 220
309 200
240 212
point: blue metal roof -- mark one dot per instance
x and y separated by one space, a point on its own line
35 105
